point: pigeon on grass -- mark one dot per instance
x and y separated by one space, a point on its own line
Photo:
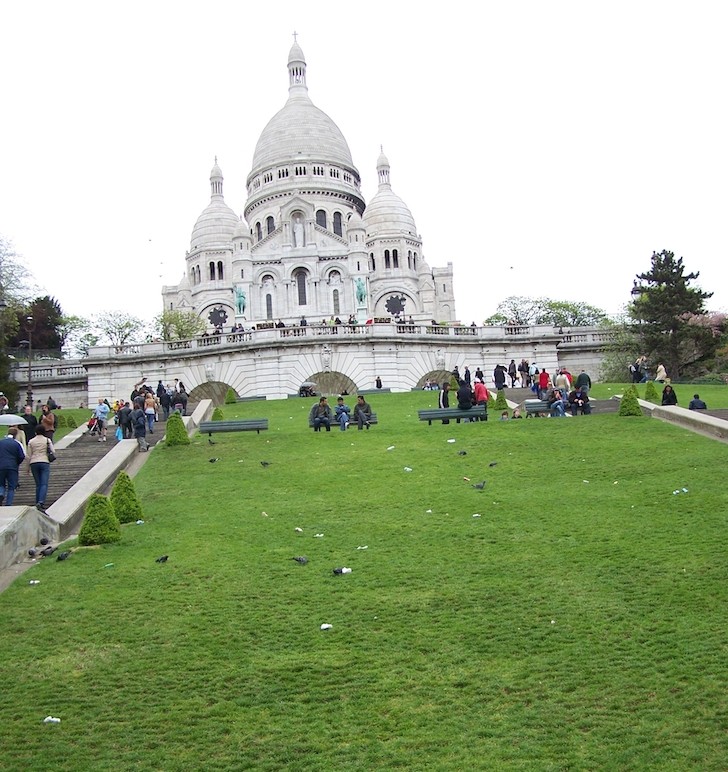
64 556
462 453
162 559
493 463
265 463
210 442
213 460
302 559
48 551
479 485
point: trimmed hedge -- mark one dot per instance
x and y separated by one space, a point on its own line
124 499
176 432
651 394
100 524
230 398
217 414
629 404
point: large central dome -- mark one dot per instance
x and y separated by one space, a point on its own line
300 129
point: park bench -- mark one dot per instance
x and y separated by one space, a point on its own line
535 407
352 421
237 425
479 412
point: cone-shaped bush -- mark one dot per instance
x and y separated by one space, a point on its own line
61 421
500 401
71 422
629 404
230 397
100 525
217 414
176 432
651 394
124 500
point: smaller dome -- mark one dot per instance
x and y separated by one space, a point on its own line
387 213
242 229
216 225
296 55
355 222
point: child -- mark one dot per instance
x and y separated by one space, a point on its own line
504 416
342 412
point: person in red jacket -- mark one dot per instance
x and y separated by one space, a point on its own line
481 395
544 379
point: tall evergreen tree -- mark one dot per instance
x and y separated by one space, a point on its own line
664 310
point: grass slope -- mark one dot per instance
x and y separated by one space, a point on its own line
579 622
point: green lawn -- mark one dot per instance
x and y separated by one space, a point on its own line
578 623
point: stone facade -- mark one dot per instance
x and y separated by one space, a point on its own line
308 245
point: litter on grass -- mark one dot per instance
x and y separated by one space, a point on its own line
34 581
428 511
317 535
391 447
476 515
51 720
109 565
586 481
326 627
365 547
140 522
408 469
298 530
451 440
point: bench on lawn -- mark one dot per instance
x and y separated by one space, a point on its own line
534 407
479 412
237 425
352 421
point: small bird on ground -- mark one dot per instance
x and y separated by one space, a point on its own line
213 460
32 553
342 570
462 453
479 485
265 463
162 559
493 463
302 559
210 442
64 556
48 551
45 541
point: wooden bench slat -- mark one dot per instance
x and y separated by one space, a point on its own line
439 414
242 425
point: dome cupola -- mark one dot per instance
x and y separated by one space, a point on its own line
217 223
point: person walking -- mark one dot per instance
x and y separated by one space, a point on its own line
30 423
139 425
48 421
40 466
101 414
150 411
11 457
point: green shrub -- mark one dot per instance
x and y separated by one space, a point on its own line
100 525
217 414
651 394
61 421
230 398
71 422
176 432
500 401
124 500
629 404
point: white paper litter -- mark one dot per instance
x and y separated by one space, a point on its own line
326 627
51 720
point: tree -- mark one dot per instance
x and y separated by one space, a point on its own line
179 325
119 328
76 335
17 285
46 314
669 316
100 524
560 313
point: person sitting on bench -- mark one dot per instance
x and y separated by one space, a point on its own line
321 415
579 400
362 412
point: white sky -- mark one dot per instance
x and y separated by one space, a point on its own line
565 139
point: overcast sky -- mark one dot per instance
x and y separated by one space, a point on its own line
545 149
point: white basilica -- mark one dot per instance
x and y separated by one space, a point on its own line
308 245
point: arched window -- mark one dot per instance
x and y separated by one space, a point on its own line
258 231
395 258
409 259
372 261
219 270
270 224
212 271
337 224
387 262
337 310
414 260
269 306
301 287
321 218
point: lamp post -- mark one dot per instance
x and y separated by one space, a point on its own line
29 392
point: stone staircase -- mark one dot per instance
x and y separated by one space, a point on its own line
73 463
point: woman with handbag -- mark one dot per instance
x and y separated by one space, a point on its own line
40 454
